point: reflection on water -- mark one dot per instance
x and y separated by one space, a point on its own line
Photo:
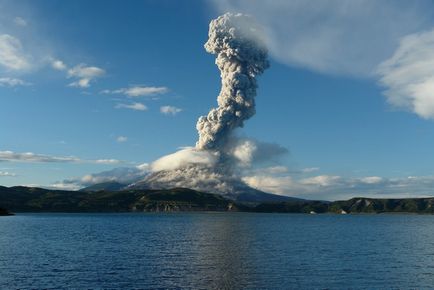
216 250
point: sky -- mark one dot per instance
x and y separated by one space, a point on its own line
110 86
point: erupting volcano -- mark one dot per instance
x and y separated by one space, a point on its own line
213 165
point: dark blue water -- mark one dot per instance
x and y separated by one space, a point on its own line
216 250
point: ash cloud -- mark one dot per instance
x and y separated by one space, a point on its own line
216 163
240 57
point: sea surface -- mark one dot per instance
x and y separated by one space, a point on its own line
216 251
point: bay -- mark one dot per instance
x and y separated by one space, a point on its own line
216 251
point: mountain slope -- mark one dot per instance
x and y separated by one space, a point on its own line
229 187
27 199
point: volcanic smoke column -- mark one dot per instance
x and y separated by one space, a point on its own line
241 56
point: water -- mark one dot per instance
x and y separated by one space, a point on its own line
216 250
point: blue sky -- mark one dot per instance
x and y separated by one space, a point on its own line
88 86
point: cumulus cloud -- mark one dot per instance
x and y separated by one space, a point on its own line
132 106
334 36
333 187
250 151
138 91
409 74
170 110
57 64
124 175
12 56
84 75
183 157
121 139
10 156
20 21
321 180
268 183
12 82
371 179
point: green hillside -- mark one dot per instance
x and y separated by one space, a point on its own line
25 199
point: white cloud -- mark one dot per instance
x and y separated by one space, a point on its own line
64 186
84 75
143 167
245 151
133 106
20 21
121 139
12 82
409 75
10 156
138 91
310 169
187 155
170 110
332 187
124 175
334 36
321 180
12 56
371 179
249 151
7 174
273 184
107 161
58 64
32 157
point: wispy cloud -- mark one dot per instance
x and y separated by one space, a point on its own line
310 169
121 139
30 157
170 110
12 82
7 174
105 161
409 75
138 91
20 21
334 36
12 56
334 187
132 106
84 75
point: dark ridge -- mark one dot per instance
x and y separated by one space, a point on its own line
27 199
32 199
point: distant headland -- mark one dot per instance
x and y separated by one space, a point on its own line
99 199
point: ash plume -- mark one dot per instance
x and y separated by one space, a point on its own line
241 56
213 164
